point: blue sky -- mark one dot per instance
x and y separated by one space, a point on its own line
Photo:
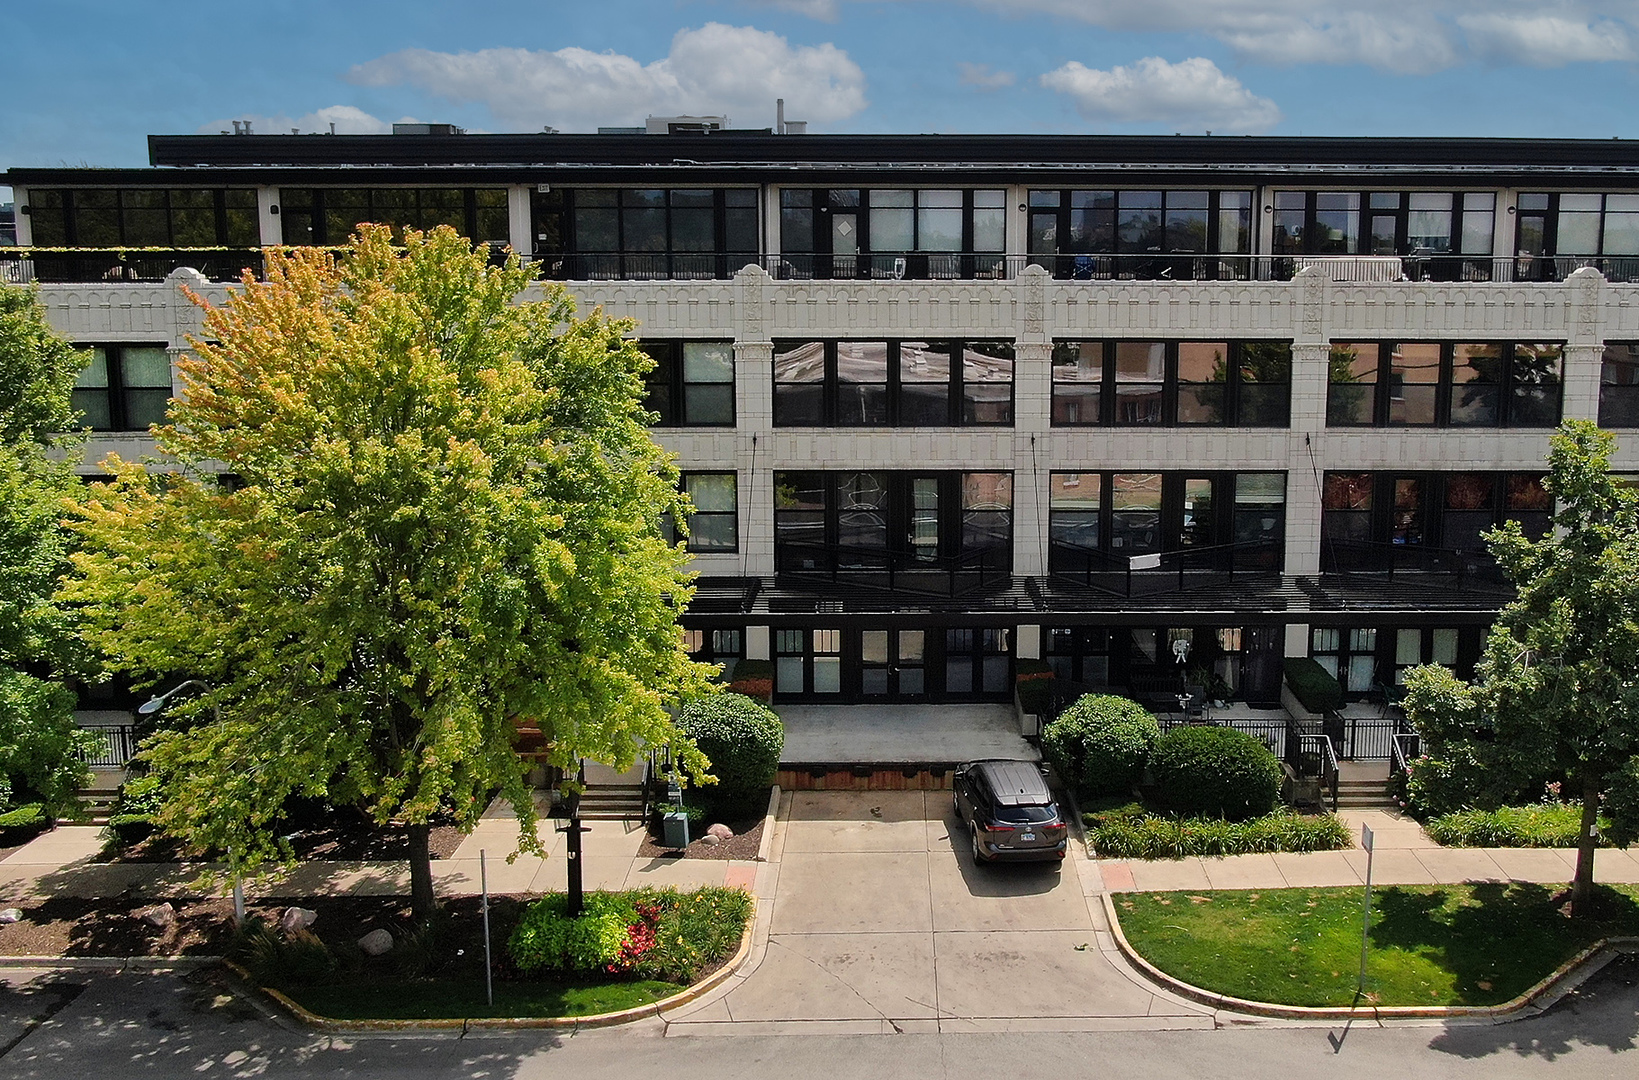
88 79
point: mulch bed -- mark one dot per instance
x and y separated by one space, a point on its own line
351 840
747 838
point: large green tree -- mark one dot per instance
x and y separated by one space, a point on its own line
39 742
444 522
1556 695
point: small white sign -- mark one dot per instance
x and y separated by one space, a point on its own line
1145 562
1366 837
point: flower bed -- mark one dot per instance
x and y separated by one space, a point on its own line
646 933
1544 825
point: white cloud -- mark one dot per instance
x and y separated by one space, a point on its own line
1545 40
981 76
1191 94
717 69
1406 36
348 121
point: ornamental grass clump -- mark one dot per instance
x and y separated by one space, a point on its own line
1544 825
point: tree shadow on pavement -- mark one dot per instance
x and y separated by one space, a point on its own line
1603 1012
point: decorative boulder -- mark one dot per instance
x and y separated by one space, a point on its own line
10 915
160 915
376 942
297 918
711 839
721 832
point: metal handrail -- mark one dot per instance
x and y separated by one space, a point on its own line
1177 570
1469 569
893 570
1399 754
1328 760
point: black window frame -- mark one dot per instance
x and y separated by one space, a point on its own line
1366 209
1175 525
956 521
667 385
1073 258
693 545
55 216
1619 385
806 237
961 402
117 395
1511 386
1389 519
485 212
556 228
1237 396
1539 212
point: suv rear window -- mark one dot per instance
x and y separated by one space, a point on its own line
1025 815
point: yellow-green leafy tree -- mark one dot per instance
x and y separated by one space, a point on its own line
444 520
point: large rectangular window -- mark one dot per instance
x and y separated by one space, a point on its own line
1428 384
144 217
123 387
893 383
1366 516
1228 383
873 521
1558 232
1140 233
642 233
1140 513
915 233
1619 386
714 524
1439 235
331 215
692 383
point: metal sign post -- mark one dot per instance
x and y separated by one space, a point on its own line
483 885
1366 915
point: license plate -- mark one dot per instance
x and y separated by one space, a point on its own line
1027 837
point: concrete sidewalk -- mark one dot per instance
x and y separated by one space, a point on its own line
1403 855
61 863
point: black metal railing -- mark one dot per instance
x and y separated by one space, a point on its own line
644 265
894 571
117 748
1164 572
113 265
1316 758
1413 563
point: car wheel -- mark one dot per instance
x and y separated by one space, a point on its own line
978 848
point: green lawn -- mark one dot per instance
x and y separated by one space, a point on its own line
1430 945
464 998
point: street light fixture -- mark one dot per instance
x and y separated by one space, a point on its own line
155 705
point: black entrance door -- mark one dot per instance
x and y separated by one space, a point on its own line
892 664
1262 651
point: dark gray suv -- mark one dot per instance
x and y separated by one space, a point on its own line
1008 811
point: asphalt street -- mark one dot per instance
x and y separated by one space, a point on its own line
84 1024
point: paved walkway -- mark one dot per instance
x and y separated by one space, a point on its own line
839 734
1402 855
60 863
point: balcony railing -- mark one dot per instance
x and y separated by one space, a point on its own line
1166 572
894 571
1413 563
84 265
645 265
117 748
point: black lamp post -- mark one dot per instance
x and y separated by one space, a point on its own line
572 866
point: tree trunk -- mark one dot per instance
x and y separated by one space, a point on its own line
1582 887
422 901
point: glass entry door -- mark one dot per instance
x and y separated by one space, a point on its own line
892 664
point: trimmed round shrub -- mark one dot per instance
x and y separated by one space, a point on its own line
742 739
1215 771
1099 744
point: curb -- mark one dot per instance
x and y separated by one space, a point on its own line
112 963
1555 985
766 844
330 1025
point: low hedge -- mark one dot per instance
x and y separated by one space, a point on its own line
1100 743
21 822
1134 833
1216 772
1544 825
1313 685
1035 693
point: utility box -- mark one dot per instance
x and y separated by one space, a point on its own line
675 829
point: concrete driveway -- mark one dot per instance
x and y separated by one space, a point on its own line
880 921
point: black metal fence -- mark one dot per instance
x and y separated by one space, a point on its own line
1164 572
1465 570
117 748
898 571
